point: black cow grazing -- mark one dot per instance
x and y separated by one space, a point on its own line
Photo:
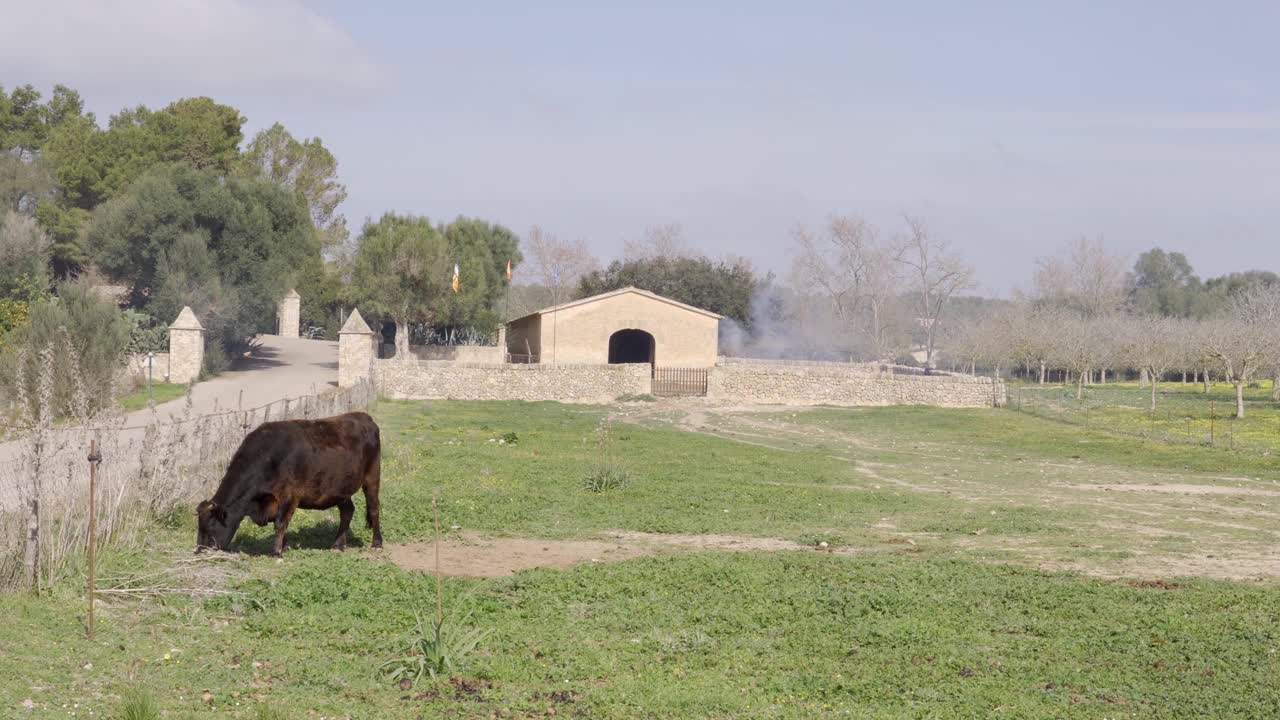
283 466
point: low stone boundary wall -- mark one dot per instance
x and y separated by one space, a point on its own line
134 370
441 380
772 384
474 354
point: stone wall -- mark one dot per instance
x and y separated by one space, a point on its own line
854 385
135 368
590 384
473 354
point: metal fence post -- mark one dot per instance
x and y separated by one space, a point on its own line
1212 417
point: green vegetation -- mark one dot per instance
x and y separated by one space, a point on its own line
933 606
161 392
721 287
1185 414
62 359
788 635
181 236
403 269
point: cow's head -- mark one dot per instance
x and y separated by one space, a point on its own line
212 528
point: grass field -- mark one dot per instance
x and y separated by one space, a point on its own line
1184 413
986 563
161 392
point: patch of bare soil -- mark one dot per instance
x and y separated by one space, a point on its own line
1175 489
478 556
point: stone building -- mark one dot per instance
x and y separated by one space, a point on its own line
624 326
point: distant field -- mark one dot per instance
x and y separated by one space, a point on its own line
1184 413
983 563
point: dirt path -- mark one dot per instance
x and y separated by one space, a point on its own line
479 556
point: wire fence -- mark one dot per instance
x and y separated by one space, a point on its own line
1181 415
145 470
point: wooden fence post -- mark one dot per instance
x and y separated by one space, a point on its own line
95 457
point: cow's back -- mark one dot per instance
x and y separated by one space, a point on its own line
317 462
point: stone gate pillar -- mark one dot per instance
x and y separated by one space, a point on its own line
289 314
355 350
186 348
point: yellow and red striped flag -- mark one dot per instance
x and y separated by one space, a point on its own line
508 271
456 280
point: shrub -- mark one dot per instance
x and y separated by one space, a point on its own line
146 334
604 478
13 313
607 474
88 338
435 648
138 705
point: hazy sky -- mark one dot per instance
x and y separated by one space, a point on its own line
1014 127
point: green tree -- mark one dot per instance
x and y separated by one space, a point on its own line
723 288
319 282
306 168
401 272
481 251
226 246
1164 284
26 126
1226 287
92 165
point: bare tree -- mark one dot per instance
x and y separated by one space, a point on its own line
1154 345
934 273
1245 342
854 270
557 263
1085 277
1259 306
1240 348
836 264
1081 345
659 241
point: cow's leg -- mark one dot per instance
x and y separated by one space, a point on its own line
282 524
346 509
372 479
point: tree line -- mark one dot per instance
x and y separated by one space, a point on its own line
173 207
108 229
1086 317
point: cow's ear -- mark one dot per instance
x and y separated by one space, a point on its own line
268 506
208 507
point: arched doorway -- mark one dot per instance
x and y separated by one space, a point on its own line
631 346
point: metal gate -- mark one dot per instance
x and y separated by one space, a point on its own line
680 382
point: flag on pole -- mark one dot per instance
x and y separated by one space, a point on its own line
508 271
456 281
